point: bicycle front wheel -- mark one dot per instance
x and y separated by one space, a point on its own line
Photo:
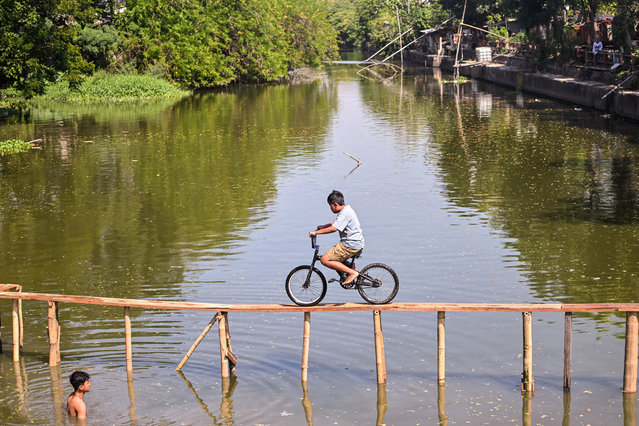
305 286
377 283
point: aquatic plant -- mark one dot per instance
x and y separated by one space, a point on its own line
13 146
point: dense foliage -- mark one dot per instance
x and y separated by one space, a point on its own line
373 23
192 43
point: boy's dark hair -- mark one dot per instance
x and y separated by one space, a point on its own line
336 197
78 378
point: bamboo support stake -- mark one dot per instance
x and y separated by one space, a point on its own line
229 353
197 342
221 322
305 346
20 319
567 349
441 347
127 338
16 332
630 360
527 380
379 347
53 329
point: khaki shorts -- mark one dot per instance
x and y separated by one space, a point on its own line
340 252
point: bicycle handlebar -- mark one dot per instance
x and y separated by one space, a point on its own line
313 241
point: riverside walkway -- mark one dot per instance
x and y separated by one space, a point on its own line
228 360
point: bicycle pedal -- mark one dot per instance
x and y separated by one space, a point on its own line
334 280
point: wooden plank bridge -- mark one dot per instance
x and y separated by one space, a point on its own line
228 360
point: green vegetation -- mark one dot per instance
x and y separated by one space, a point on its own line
103 87
13 146
191 44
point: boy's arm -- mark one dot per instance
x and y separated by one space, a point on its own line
326 230
81 410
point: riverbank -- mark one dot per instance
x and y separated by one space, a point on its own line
568 88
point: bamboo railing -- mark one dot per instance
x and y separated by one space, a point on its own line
228 360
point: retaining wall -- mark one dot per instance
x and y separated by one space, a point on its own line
590 94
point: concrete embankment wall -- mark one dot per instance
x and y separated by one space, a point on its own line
567 89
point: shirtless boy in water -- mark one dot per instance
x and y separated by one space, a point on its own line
75 402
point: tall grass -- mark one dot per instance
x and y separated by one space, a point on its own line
104 87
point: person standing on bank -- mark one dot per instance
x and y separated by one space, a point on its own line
76 406
597 49
350 235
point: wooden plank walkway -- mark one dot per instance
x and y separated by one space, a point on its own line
228 359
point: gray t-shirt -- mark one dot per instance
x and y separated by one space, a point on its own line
350 231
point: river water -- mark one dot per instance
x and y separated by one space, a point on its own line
472 192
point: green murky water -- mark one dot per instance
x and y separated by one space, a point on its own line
472 193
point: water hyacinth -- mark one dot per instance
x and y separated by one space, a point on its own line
13 146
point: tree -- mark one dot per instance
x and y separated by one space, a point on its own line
37 42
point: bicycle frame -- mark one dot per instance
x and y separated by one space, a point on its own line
362 280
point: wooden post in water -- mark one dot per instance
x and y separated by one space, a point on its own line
127 339
229 349
306 346
379 347
16 331
527 380
53 329
441 347
567 349
197 342
221 322
630 361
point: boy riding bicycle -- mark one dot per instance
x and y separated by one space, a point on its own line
350 234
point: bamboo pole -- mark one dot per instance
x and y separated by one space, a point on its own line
630 361
16 332
0 334
229 348
399 30
221 322
127 339
527 380
196 343
305 346
20 319
441 347
53 329
379 347
567 349
459 35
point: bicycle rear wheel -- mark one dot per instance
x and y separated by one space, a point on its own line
377 283
304 289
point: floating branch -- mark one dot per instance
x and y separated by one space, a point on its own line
358 162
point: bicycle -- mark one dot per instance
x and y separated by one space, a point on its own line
306 285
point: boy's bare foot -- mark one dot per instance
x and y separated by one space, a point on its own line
351 278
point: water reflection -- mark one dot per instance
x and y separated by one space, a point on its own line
226 405
57 395
441 405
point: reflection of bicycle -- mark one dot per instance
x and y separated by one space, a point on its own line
306 285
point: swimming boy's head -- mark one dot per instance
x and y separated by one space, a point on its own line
335 197
79 378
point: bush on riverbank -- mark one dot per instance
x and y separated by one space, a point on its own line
104 87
